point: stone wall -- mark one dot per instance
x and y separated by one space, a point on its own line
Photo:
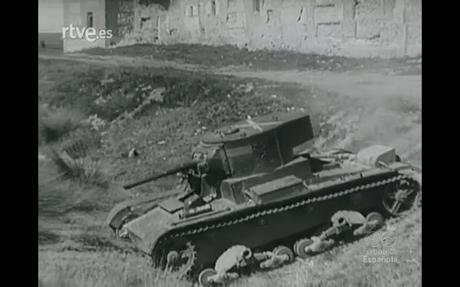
357 28
126 17
140 21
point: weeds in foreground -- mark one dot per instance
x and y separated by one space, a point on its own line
101 269
84 169
82 142
53 125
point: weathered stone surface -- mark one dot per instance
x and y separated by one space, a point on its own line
311 26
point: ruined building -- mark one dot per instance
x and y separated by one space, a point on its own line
359 28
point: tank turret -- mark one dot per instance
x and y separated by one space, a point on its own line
246 148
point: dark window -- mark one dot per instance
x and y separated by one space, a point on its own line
89 19
143 20
325 5
256 5
269 16
213 7
191 11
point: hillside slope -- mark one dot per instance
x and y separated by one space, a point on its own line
101 112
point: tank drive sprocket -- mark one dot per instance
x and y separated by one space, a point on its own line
403 196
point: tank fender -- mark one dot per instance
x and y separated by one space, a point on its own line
376 155
148 228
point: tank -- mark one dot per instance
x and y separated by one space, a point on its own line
256 184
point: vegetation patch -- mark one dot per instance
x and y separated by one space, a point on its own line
228 55
53 125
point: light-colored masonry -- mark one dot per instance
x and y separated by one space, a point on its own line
358 28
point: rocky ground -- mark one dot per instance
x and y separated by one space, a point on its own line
102 105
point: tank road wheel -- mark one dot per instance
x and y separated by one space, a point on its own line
300 246
401 198
203 278
375 218
284 251
178 257
374 221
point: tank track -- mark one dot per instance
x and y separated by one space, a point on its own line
259 214
389 221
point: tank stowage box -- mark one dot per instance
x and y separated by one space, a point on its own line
277 189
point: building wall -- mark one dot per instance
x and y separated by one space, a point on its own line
75 13
357 28
50 20
50 16
365 28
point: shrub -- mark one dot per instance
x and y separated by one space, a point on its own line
85 169
81 142
58 123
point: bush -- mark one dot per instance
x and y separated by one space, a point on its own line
81 143
54 125
83 169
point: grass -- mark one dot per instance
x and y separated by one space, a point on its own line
85 170
228 55
399 245
100 269
53 125
191 102
338 267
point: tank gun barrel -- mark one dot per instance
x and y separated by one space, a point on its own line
176 169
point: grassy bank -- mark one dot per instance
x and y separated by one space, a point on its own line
98 114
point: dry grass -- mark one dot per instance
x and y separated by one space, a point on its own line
100 269
84 170
228 55
338 267
53 125
398 248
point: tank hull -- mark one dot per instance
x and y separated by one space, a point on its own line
247 185
262 226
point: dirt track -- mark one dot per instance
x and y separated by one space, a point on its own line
383 82
359 84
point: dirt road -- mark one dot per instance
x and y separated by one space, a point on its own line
375 84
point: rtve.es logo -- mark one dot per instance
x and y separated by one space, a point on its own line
88 33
